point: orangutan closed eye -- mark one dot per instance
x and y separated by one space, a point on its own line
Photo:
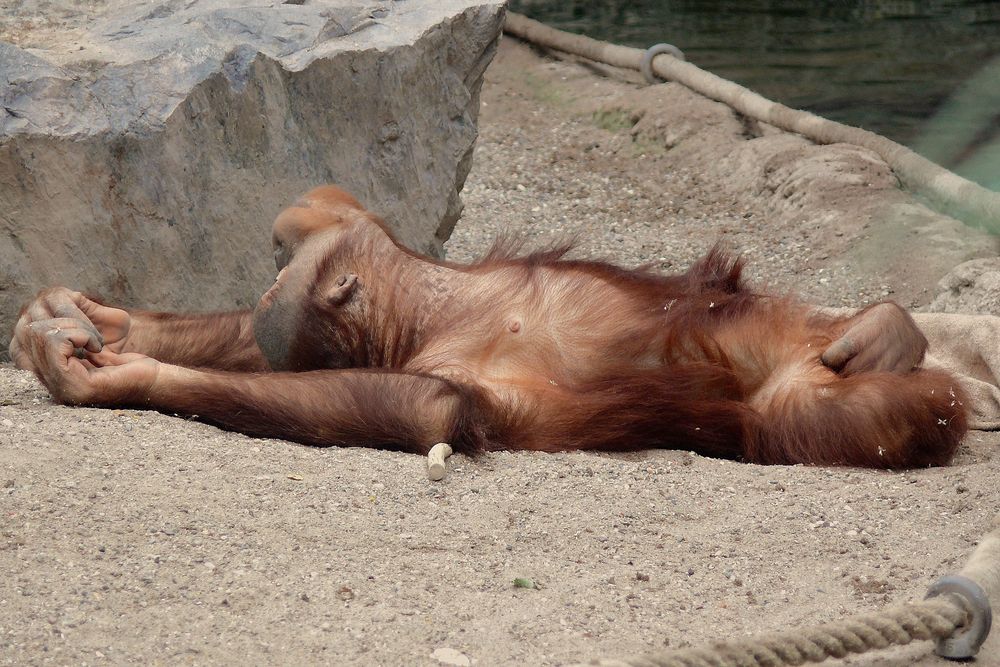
362 342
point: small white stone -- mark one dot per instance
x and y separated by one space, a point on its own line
8 423
449 656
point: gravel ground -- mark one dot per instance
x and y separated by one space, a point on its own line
135 537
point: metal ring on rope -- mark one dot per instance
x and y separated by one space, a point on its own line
965 642
646 66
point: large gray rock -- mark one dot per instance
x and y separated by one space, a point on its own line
145 148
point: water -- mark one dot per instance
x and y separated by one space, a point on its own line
926 74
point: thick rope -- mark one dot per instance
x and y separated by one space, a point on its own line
932 619
937 618
984 566
954 195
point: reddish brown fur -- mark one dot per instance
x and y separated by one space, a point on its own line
536 351
213 340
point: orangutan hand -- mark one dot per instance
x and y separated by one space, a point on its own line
881 338
105 327
50 349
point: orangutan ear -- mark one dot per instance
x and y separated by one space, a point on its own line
342 290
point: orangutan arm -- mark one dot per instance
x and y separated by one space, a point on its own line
359 407
223 341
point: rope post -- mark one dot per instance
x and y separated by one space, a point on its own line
967 640
973 588
646 66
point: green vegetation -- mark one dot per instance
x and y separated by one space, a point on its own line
613 120
546 92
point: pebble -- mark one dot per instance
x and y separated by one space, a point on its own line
450 656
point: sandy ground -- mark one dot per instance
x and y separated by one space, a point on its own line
135 537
